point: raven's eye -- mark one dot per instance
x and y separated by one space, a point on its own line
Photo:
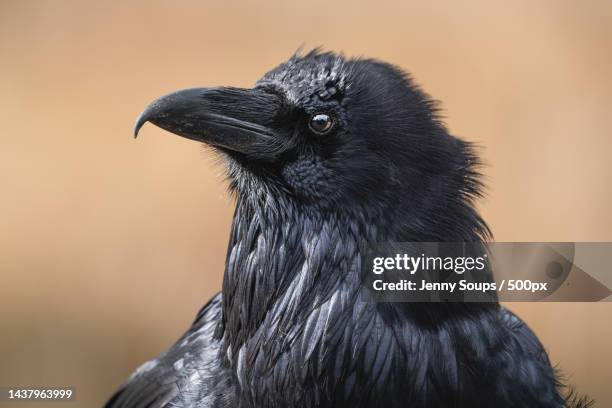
321 123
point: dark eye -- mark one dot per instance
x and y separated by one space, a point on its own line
321 123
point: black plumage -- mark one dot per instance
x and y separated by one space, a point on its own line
326 154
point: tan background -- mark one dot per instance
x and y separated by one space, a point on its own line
108 246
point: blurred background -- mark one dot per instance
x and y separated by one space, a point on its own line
109 246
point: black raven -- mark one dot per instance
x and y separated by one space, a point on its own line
326 154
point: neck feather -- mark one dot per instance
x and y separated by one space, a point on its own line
284 259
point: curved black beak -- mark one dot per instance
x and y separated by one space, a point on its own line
232 118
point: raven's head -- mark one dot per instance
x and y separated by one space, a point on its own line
354 135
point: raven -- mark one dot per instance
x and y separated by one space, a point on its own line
325 155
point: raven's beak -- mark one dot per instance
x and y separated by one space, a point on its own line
230 118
